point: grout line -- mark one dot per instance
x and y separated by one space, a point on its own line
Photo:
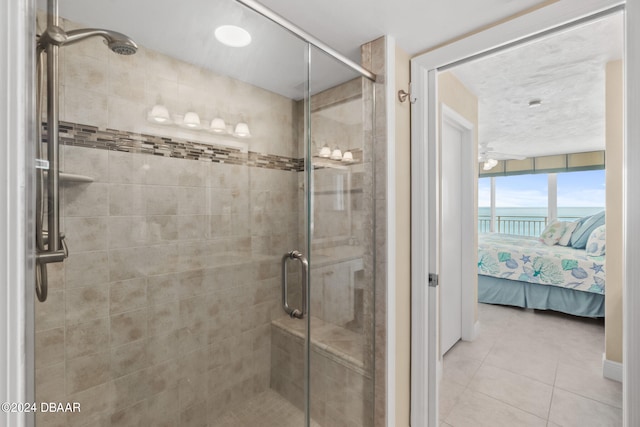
553 390
554 387
587 397
509 404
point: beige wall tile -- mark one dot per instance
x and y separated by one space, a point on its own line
126 200
84 304
191 201
164 318
86 73
164 170
50 346
86 199
192 227
126 82
162 288
50 315
194 415
96 405
131 388
127 168
55 276
127 295
163 347
163 409
50 383
85 106
86 233
161 200
130 231
135 415
86 161
87 338
128 327
163 377
86 269
128 358
127 115
86 372
130 263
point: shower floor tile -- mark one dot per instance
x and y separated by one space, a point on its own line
268 409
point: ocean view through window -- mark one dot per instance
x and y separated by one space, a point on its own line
522 201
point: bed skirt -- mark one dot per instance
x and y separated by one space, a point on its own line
493 290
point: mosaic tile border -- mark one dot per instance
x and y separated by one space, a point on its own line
80 135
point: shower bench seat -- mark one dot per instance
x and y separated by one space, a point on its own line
341 381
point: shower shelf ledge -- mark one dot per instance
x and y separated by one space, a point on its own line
73 178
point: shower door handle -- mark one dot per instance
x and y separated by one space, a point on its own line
294 312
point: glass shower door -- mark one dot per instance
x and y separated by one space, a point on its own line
341 245
180 194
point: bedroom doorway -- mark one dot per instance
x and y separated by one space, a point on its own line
427 72
529 362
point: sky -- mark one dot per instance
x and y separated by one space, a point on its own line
575 189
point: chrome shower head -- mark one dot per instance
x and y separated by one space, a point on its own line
117 42
123 47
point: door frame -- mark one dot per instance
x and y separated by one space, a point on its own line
17 128
424 169
468 163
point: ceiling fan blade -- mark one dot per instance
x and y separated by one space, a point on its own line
500 158
504 156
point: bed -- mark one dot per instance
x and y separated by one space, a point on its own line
524 272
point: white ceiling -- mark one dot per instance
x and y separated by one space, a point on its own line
566 72
276 60
416 24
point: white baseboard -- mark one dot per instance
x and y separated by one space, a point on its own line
611 370
474 332
476 329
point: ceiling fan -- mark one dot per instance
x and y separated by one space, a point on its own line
490 157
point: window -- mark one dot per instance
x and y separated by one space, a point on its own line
484 205
522 201
521 204
580 194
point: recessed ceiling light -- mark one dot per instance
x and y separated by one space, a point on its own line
233 36
534 103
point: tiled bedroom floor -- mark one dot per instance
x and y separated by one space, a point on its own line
529 368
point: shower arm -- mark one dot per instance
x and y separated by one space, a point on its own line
59 37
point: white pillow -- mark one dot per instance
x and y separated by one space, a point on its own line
596 243
566 237
552 233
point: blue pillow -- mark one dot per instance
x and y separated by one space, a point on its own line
596 245
581 235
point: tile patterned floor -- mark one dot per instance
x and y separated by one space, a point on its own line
529 368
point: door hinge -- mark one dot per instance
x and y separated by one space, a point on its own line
433 280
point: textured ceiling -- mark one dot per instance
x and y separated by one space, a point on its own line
566 72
